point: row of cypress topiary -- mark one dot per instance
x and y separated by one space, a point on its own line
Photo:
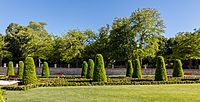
160 73
134 72
27 71
94 71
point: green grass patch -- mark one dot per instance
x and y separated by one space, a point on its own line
128 93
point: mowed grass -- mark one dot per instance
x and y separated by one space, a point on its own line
134 93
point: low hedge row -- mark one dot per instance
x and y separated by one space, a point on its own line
19 88
26 87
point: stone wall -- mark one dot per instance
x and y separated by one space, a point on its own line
109 71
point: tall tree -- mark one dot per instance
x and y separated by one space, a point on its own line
148 26
186 45
122 39
17 36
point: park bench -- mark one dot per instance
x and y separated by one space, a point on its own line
187 73
12 77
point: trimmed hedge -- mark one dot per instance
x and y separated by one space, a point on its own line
10 70
129 71
99 74
20 70
160 74
90 69
45 70
178 70
84 69
137 73
29 76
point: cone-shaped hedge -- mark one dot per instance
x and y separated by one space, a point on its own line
90 69
137 73
45 70
1 96
20 70
84 69
178 70
10 70
160 74
99 74
29 76
129 71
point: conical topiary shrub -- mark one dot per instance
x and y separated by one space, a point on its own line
10 70
1 96
45 70
99 74
90 69
178 70
20 70
84 69
29 76
160 74
137 73
129 71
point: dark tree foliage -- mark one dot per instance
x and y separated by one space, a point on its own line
84 69
90 69
29 76
129 71
99 74
10 70
178 70
20 70
137 73
160 74
45 70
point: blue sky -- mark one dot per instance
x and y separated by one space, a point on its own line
63 15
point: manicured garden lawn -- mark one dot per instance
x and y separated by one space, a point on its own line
134 93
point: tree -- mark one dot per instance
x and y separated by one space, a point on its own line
90 69
29 76
137 73
71 45
84 69
10 70
17 36
178 70
20 70
129 71
148 26
3 49
122 40
186 45
160 74
100 44
32 40
45 70
99 74
39 47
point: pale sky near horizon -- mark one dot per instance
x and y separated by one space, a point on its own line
63 15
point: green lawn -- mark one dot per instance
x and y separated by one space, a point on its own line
134 93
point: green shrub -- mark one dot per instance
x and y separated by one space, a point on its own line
160 74
45 70
29 76
129 71
1 96
10 70
137 73
84 69
178 70
99 74
20 70
90 69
